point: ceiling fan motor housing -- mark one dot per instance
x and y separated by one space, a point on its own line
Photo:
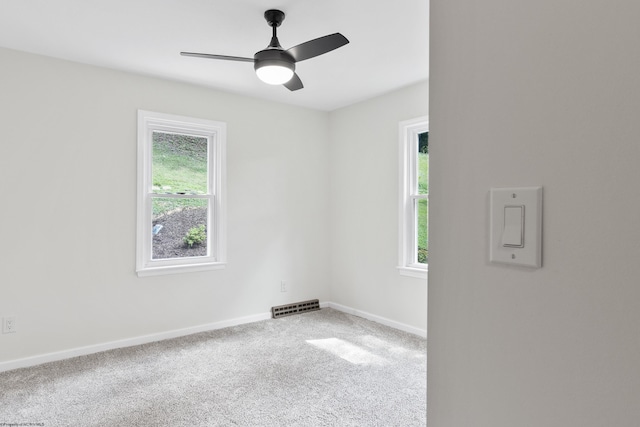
274 57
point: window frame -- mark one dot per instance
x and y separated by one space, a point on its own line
215 133
408 197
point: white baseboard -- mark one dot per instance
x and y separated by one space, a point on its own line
96 348
378 319
129 342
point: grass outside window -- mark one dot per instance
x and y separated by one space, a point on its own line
422 211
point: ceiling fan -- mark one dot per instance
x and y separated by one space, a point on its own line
274 65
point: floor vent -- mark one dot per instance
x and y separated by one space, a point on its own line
295 308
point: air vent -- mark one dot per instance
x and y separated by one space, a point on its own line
295 308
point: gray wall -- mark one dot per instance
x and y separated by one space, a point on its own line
68 217
364 170
535 93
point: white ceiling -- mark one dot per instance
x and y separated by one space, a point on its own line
388 46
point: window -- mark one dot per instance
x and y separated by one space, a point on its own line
414 197
181 200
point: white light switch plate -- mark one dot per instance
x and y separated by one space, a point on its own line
530 255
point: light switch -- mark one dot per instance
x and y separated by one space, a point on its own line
513 231
515 235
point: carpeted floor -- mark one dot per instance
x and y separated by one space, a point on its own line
322 368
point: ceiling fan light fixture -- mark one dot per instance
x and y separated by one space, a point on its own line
274 72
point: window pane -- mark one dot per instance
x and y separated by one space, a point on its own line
422 231
179 164
179 228
423 163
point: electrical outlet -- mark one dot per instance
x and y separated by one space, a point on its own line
283 286
8 325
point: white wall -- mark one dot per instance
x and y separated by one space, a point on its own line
364 208
68 210
544 93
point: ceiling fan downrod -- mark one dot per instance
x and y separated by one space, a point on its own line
274 18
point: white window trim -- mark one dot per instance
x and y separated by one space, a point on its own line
215 132
408 137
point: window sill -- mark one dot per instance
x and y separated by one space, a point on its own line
418 273
175 269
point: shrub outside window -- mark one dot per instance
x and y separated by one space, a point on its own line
181 205
414 197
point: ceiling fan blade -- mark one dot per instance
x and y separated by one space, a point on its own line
210 56
318 46
294 84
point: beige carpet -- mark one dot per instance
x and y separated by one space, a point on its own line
322 368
